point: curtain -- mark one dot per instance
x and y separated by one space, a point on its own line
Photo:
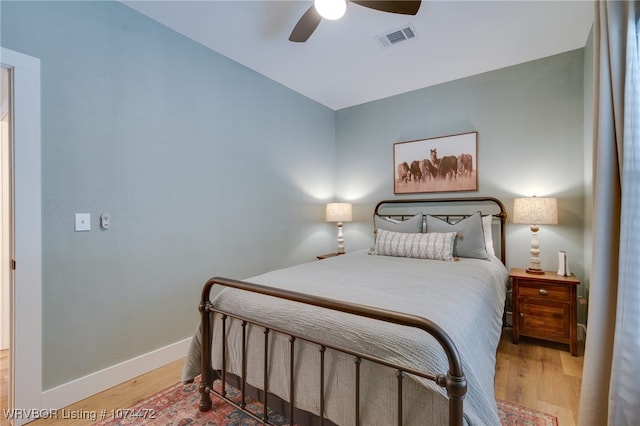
611 377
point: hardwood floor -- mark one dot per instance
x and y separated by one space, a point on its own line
4 384
121 396
539 375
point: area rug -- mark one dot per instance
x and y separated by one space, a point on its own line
178 406
516 415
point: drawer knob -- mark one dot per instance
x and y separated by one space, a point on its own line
543 292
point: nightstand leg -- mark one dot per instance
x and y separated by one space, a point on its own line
515 323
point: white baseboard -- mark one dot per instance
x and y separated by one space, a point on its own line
84 387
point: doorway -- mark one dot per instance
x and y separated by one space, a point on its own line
21 229
5 233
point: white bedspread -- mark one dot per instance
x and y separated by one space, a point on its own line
466 298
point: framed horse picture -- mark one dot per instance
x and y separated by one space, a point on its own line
440 164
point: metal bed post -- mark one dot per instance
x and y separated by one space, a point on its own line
206 372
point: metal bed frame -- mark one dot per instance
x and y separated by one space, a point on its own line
453 381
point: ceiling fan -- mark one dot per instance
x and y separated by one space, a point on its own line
312 17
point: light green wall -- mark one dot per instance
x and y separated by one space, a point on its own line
529 120
206 167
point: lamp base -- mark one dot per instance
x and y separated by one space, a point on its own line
534 261
340 239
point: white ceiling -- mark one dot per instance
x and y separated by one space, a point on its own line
342 64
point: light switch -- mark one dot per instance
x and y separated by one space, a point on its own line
83 222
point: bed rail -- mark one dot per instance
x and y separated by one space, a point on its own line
454 381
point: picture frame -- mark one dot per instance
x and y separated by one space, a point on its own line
438 164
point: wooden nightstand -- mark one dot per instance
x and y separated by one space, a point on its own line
545 307
324 256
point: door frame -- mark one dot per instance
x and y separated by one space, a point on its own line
26 338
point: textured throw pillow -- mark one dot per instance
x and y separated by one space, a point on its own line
437 246
470 241
488 234
413 224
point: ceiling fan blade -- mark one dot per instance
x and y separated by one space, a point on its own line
305 26
399 6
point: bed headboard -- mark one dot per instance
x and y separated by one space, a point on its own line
451 210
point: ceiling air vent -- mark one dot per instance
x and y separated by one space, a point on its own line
396 36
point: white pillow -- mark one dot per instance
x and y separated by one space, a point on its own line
433 245
488 236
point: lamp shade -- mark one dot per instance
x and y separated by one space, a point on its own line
535 211
338 212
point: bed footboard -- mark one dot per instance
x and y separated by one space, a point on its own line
453 381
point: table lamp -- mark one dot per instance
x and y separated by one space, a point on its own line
339 212
535 211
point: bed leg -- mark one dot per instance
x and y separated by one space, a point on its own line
206 373
205 398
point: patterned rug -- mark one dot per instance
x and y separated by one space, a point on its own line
178 406
516 415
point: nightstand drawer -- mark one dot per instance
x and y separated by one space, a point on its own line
544 291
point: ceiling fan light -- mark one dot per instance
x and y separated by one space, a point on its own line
331 9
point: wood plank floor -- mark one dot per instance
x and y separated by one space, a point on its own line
539 375
4 384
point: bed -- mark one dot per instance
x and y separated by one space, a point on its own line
403 333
